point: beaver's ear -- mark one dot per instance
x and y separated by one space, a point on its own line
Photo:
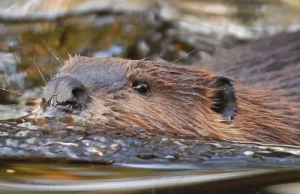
224 98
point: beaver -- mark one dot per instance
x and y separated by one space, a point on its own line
253 95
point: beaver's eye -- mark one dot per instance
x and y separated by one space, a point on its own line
141 87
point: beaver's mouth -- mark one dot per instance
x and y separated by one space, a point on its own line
66 106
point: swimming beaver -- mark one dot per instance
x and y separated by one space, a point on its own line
189 100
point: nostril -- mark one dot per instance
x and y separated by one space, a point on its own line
80 94
77 92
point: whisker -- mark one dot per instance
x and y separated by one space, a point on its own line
187 54
14 92
52 51
38 70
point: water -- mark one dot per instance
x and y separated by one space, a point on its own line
42 156
38 178
58 156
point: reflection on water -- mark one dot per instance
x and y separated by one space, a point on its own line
39 178
13 111
43 156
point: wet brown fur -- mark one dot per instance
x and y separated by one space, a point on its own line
181 98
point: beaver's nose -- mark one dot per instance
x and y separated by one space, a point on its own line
65 91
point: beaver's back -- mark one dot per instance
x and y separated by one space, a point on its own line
272 63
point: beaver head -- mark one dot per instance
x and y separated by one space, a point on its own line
162 97
156 96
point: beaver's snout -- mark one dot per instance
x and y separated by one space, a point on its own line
65 92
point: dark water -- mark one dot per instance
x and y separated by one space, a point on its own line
29 50
28 178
